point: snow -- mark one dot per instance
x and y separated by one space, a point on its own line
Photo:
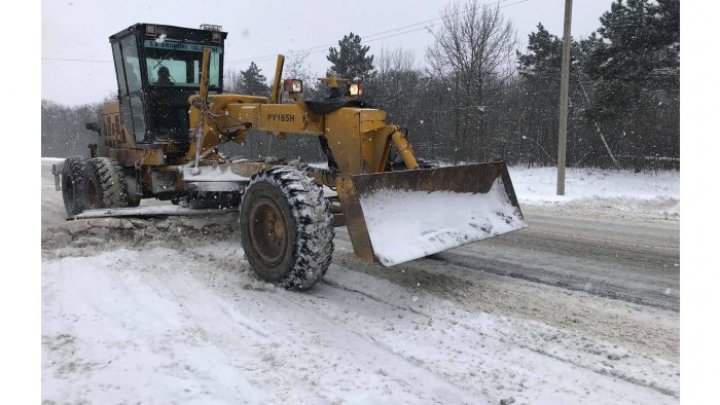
186 321
213 173
147 211
406 225
646 193
319 165
133 335
162 325
643 193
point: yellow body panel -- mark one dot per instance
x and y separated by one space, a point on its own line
115 133
120 144
275 118
138 156
359 138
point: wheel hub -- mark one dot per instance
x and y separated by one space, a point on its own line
268 232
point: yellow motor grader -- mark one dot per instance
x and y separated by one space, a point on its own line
160 140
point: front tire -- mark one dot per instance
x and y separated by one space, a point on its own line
286 227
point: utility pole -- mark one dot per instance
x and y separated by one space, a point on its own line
564 82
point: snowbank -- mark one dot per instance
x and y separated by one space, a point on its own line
645 193
624 190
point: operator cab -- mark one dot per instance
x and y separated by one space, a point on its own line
158 68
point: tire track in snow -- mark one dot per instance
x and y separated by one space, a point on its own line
306 301
596 363
410 361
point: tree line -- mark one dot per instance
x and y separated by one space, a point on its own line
478 98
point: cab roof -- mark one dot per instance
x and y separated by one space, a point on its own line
150 30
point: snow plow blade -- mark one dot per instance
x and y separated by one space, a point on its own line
395 217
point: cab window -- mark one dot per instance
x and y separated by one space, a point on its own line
172 63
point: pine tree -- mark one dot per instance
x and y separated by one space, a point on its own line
252 82
543 57
539 70
350 59
666 21
636 49
633 61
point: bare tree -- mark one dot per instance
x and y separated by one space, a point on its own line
296 66
476 42
473 52
397 59
394 87
231 81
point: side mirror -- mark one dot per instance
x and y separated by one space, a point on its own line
93 126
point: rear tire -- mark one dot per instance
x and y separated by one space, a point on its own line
105 184
73 185
134 196
286 227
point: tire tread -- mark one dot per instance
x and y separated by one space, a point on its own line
313 245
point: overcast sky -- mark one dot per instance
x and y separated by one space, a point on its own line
77 61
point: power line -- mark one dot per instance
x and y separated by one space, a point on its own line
321 48
77 60
366 39
438 18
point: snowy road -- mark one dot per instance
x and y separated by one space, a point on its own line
624 258
581 307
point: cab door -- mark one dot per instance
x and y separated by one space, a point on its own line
130 88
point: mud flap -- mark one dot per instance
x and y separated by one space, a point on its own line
395 217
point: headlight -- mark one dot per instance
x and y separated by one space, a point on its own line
293 86
355 89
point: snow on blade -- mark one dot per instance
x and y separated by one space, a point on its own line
406 225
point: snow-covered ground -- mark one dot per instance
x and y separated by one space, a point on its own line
168 311
163 326
644 193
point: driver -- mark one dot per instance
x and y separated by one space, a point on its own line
163 77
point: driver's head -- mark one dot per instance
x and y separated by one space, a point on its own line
163 72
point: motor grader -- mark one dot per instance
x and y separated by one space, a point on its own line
160 139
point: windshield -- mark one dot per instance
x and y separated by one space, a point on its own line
178 64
